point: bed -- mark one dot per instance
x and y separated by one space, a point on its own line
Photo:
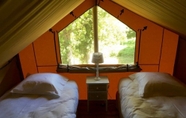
41 95
151 95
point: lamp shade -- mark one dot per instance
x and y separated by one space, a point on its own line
97 57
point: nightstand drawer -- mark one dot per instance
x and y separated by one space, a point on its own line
97 95
97 87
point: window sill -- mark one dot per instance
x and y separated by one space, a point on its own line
102 68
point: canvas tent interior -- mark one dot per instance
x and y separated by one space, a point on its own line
16 19
19 22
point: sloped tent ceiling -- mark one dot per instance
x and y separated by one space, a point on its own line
23 21
168 13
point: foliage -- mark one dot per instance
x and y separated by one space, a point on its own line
76 40
116 40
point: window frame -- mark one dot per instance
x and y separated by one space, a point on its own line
85 68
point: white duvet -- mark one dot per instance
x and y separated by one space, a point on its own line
133 106
33 106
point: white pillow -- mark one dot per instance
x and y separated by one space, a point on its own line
158 84
49 84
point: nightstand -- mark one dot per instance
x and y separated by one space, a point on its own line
97 90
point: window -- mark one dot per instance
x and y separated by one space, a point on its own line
114 39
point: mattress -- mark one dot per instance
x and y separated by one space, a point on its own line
38 106
134 106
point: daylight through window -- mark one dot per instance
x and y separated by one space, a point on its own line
115 40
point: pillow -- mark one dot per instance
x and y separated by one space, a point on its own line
49 84
158 84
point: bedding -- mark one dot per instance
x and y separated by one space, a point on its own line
42 83
53 96
158 84
157 103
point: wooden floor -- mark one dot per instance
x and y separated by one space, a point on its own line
97 109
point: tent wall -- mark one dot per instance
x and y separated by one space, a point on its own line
157 53
21 25
168 13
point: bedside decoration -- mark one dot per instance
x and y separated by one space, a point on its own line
97 90
97 58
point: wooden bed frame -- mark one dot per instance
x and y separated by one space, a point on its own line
11 74
118 104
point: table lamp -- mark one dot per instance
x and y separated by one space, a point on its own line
97 58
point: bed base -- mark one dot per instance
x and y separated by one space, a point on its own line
118 104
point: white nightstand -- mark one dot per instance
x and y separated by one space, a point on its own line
97 90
